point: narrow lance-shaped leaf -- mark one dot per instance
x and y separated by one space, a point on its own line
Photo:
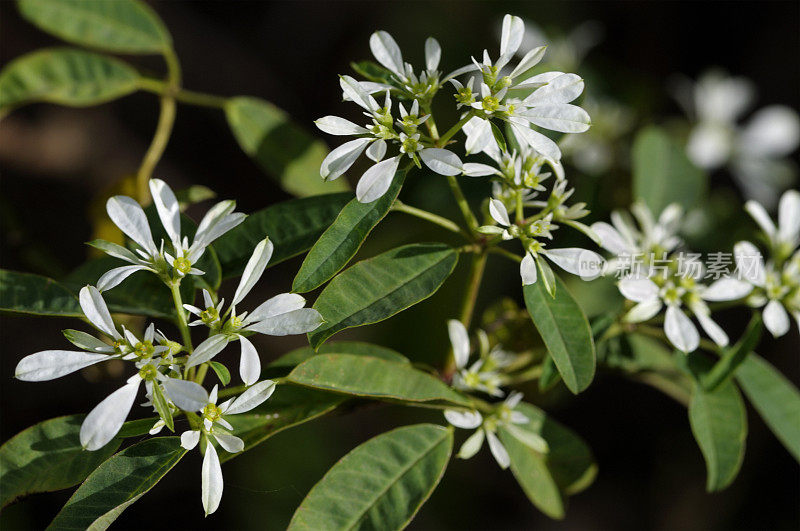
289 406
662 172
65 76
339 244
565 332
719 424
118 483
122 26
775 399
47 456
26 293
375 289
281 148
373 377
297 356
292 226
381 484
733 356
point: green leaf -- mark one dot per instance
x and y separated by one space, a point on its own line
284 150
663 174
372 71
376 289
719 424
65 76
530 470
356 348
340 242
122 26
775 399
47 456
373 377
289 406
160 403
117 483
565 332
292 226
136 428
140 294
550 376
733 356
381 484
31 294
222 372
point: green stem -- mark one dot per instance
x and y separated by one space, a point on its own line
156 86
166 119
651 331
443 222
503 252
477 266
463 205
455 129
183 325
520 214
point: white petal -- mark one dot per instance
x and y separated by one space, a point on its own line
775 318
253 397
117 251
471 445
387 52
539 80
433 53
189 439
299 321
207 350
376 180
211 480
749 263
638 289
583 262
528 61
643 311
498 450
340 159
442 161
512 34
353 90
114 277
377 150
95 309
709 145
479 136
611 239
334 125
536 140
128 215
499 212
680 330
561 89
168 209
714 331
772 132
761 217
561 117
187 395
279 304
249 364
106 419
476 169
459 339
468 420
789 217
727 289
50 364
527 270
230 443
254 269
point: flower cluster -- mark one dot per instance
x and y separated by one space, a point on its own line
165 367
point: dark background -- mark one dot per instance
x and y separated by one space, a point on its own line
56 160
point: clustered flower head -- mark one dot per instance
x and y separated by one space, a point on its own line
166 367
516 98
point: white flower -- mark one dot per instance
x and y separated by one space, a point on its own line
373 139
583 262
476 376
214 427
129 216
784 238
281 315
506 417
754 152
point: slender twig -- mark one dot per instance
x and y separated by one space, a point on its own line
503 252
463 205
443 222
156 86
455 129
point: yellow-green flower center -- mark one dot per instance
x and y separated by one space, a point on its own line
148 373
144 349
490 104
182 264
212 412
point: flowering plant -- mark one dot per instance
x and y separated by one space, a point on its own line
511 119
